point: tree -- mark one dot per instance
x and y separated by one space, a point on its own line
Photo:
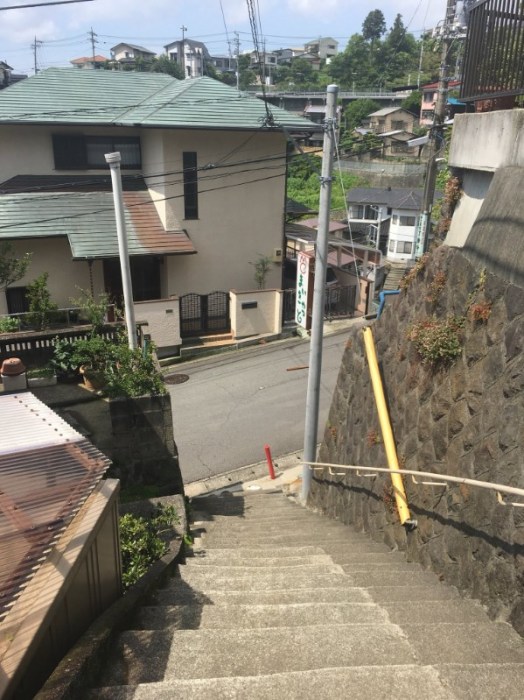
246 75
301 71
12 268
163 64
357 111
412 102
374 26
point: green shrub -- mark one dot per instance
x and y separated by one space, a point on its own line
63 360
144 540
133 373
8 324
437 342
41 307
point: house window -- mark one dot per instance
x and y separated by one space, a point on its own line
189 164
391 246
404 246
357 211
79 152
398 125
407 220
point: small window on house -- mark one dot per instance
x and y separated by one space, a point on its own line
398 125
189 164
394 219
407 220
404 247
391 246
79 152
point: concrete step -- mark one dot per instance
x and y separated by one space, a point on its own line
233 616
369 576
365 683
250 553
152 656
431 611
264 581
415 592
181 594
258 562
465 643
317 539
212 571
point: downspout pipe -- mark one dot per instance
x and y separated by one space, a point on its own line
387 432
382 299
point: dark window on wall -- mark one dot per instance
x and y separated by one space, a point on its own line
80 152
189 164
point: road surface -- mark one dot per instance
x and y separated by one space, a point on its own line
233 404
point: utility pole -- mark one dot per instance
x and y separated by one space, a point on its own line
92 37
317 321
35 45
182 49
113 159
237 56
436 136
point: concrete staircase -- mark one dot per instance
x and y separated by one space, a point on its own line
278 602
395 274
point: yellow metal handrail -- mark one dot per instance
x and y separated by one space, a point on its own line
498 488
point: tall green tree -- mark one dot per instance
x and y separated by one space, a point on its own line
357 111
12 267
374 26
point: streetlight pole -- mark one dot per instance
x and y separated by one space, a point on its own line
317 321
113 159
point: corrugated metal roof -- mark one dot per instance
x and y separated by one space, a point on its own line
88 221
71 96
47 471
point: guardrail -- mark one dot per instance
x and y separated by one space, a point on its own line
444 479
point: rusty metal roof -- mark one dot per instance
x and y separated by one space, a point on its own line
82 209
47 471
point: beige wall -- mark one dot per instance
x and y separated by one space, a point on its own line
53 255
265 318
240 208
163 321
238 221
29 151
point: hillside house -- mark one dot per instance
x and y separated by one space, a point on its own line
387 218
392 119
204 183
128 54
89 62
190 55
429 100
324 48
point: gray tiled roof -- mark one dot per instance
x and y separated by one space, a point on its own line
394 197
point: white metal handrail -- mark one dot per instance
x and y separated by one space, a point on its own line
498 488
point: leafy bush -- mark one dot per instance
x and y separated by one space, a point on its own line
40 304
133 373
37 372
8 324
437 342
143 541
96 353
94 309
63 360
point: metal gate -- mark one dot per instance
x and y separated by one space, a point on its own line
339 302
204 313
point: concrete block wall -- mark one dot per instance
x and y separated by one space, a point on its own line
143 448
466 419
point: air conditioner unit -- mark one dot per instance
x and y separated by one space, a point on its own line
277 255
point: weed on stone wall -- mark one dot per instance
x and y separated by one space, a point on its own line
438 342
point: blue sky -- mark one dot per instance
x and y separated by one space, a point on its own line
63 29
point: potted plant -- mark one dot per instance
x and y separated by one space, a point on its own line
93 356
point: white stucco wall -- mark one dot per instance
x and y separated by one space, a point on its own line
265 318
163 322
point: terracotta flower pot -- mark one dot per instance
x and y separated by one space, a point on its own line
93 379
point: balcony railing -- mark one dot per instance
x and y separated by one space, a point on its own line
494 53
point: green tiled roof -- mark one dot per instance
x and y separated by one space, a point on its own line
88 221
72 96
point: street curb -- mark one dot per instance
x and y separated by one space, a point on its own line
235 478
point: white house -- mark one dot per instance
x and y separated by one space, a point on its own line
190 55
324 47
203 173
127 54
387 217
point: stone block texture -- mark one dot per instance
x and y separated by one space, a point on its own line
464 418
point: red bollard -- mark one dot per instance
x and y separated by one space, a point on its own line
267 450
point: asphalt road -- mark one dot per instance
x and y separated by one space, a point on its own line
233 404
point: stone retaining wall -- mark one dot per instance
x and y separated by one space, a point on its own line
464 419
